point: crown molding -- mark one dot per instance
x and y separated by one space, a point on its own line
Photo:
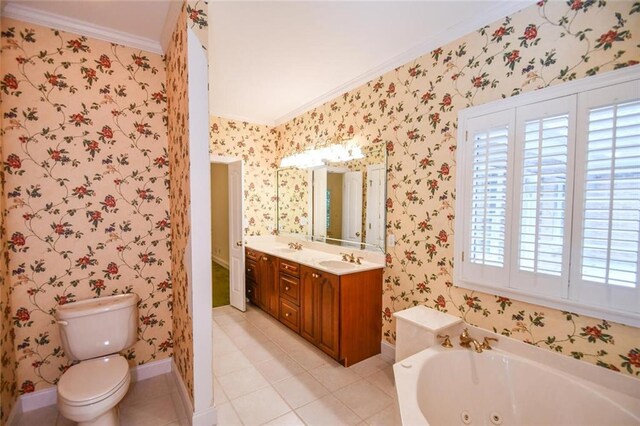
63 23
456 31
233 117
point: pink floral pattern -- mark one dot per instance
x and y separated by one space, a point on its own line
412 110
178 127
198 20
293 192
8 363
86 190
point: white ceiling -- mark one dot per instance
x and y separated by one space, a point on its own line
271 61
138 23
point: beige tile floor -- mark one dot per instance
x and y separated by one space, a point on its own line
264 374
151 402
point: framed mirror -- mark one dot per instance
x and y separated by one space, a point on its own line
341 203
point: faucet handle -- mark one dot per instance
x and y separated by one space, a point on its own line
486 343
446 340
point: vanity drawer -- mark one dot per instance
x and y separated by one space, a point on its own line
290 315
252 254
290 288
289 267
252 292
250 270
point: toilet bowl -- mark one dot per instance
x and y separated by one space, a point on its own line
89 392
94 331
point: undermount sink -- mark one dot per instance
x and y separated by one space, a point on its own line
336 264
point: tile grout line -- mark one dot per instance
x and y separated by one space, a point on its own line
255 323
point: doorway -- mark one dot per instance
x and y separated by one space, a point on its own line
227 242
220 234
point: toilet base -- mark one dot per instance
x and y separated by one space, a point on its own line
110 418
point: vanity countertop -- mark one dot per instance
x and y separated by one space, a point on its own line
317 259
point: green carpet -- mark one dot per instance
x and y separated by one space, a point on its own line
220 279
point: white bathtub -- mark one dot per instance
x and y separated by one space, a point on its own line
457 386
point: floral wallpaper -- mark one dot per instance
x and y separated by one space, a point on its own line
256 145
179 194
293 192
86 169
8 365
198 20
412 110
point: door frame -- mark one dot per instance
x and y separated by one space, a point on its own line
235 270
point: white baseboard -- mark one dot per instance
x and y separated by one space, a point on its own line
42 398
151 369
208 417
187 405
14 415
388 351
49 396
220 261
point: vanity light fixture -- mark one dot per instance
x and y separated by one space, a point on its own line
318 157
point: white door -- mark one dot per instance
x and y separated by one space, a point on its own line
376 188
320 203
352 207
236 240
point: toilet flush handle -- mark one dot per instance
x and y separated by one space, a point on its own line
63 322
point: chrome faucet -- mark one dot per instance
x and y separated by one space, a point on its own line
295 246
351 258
466 341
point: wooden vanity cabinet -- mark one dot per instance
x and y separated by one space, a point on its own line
250 279
340 314
321 309
289 278
262 281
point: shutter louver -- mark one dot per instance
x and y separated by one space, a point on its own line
544 183
611 225
489 196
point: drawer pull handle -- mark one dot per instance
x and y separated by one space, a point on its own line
288 314
265 258
314 275
286 266
248 269
286 288
249 291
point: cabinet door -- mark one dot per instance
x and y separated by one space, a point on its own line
320 309
328 307
307 300
267 283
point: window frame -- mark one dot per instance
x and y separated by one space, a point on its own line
507 106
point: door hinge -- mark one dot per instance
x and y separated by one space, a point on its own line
466 135
463 256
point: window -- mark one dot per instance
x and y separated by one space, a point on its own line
548 197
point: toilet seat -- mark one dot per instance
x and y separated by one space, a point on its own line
94 380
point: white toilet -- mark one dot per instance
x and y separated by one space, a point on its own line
94 331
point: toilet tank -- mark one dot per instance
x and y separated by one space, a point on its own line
97 327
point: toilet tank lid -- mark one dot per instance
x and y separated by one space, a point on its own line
97 305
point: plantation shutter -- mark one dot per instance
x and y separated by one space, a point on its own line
606 253
543 181
487 176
